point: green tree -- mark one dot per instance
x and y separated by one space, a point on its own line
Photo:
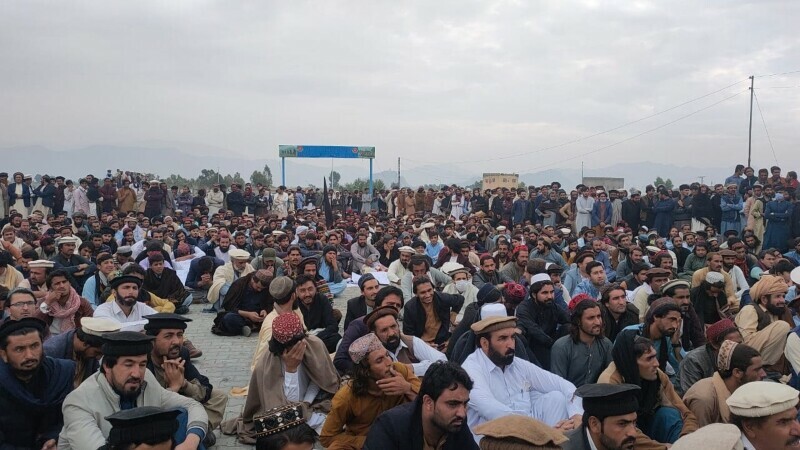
666 183
258 178
207 177
361 184
334 179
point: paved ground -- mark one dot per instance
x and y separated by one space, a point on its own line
226 360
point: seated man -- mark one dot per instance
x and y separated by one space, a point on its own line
200 277
297 368
540 319
409 350
581 356
37 278
462 283
488 273
661 327
148 298
78 268
618 313
761 323
32 387
766 414
284 297
20 303
610 412
225 275
386 296
738 365
124 383
245 305
95 285
170 363
507 385
399 267
662 416
595 282
363 304
82 345
125 308
691 335
330 270
62 308
418 266
165 283
430 315
377 385
436 419
318 313
714 264
702 362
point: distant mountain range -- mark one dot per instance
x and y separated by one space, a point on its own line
164 159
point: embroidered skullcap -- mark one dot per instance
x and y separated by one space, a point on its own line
363 346
514 292
714 278
286 327
719 328
725 354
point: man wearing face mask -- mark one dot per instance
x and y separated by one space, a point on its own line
462 283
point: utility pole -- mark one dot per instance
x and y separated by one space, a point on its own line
581 172
750 134
398 172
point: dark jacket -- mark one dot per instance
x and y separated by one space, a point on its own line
400 428
320 315
693 335
236 202
342 360
356 307
194 271
30 414
443 304
612 327
60 347
541 324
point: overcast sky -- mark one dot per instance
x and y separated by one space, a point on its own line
427 81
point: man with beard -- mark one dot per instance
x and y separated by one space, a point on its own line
617 312
691 332
761 322
610 418
364 254
398 268
78 268
225 275
515 270
436 419
219 247
766 414
660 326
32 387
584 354
714 264
507 385
409 350
545 251
82 346
37 278
540 319
62 308
318 313
738 277
126 309
737 365
377 385
47 248
170 363
124 383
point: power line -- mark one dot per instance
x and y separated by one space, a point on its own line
581 139
605 147
758 105
778 74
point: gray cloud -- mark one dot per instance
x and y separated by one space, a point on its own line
421 80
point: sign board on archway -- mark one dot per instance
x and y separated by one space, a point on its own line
325 151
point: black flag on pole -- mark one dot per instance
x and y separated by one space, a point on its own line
326 204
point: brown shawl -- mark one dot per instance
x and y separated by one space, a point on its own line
266 388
